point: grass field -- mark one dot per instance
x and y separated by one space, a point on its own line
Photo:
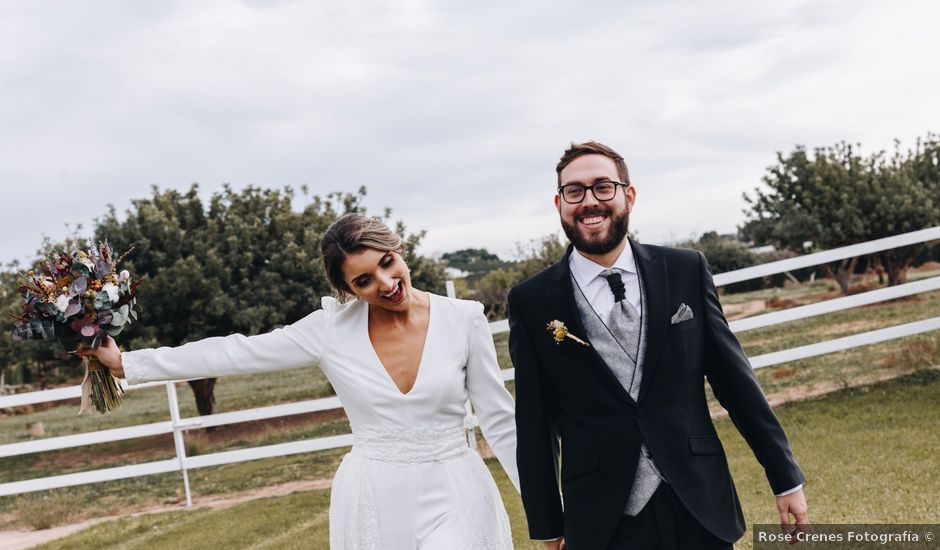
782 383
869 454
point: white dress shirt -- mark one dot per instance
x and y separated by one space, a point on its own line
596 288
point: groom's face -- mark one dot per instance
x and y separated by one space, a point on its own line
594 226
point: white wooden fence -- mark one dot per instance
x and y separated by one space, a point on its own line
178 426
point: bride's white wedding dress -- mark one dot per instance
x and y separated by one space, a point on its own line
410 480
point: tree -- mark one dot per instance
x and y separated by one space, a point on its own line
836 197
904 197
473 260
538 254
492 290
725 254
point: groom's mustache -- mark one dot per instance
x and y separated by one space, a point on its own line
593 211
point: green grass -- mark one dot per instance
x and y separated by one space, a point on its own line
869 455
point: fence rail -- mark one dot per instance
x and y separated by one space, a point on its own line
178 425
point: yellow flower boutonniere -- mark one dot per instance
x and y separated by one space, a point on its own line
560 332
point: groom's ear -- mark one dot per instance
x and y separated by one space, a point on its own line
558 202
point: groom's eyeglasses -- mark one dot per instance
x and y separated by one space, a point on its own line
573 193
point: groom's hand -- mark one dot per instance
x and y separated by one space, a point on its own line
557 544
795 504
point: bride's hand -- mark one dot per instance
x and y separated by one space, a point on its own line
109 355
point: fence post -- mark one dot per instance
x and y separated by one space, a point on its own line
470 420
178 438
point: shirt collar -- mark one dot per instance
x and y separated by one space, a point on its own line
586 270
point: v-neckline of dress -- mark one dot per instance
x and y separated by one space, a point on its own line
424 349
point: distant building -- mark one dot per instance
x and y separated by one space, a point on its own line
763 249
454 273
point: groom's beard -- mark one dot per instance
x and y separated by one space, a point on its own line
619 226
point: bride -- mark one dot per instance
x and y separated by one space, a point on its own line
403 363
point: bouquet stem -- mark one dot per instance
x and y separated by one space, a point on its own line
99 388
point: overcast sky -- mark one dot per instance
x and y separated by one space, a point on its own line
451 113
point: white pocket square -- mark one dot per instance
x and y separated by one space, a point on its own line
684 313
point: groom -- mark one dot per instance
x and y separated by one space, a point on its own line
611 400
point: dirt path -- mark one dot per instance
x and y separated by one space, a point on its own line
19 540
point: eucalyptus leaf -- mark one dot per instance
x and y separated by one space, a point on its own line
118 317
80 269
102 300
74 307
78 286
105 316
112 330
102 267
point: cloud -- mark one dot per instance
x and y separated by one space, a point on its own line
451 114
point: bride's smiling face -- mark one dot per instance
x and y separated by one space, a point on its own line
379 278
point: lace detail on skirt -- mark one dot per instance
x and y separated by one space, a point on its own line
354 519
484 524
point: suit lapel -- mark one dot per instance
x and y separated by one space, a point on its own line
561 298
652 270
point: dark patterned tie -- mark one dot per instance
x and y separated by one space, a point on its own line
615 281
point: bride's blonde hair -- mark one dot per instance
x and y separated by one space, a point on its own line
348 235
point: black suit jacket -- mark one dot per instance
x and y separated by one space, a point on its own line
578 426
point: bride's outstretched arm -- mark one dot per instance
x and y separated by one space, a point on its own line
293 346
491 400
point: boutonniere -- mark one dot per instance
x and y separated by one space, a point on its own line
560 332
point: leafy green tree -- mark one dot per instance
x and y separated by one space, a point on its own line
724 254
473 260
904 196
538 254
492 290
835 197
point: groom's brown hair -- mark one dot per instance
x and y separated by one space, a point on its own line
576 150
